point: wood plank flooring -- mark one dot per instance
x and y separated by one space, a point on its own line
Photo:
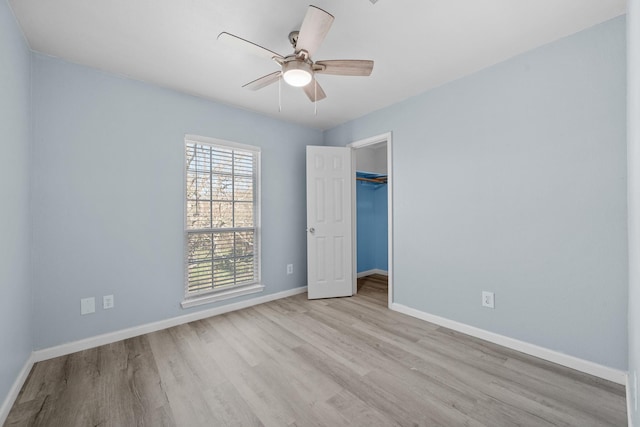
295 362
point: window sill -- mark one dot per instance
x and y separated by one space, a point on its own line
222 295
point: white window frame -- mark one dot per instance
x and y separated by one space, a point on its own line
213 295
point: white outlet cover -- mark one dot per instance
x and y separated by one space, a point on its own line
488 299
107 302
87 305
289 268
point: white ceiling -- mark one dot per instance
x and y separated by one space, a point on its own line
416 44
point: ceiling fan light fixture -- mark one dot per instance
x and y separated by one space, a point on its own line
297 73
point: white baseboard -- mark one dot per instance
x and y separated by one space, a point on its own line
15 389
572 362
108 338
374 271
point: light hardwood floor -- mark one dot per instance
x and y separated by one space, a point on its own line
294 362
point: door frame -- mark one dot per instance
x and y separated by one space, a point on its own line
385 137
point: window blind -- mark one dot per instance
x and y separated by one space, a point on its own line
221 217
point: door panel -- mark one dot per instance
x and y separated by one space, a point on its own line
329 222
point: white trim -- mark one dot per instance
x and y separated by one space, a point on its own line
390 181
15 389
221 295
216 141
373 271
388 138
383 137
108 338
563 359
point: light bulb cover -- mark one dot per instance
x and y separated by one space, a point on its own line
297 73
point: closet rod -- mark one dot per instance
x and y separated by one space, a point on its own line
376 180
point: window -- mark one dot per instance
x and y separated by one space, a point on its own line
222 220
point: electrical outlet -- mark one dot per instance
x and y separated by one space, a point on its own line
488 299
289 268
87 305
107 302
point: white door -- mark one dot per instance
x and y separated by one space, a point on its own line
329 236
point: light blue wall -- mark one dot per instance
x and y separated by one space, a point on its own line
513 180
633 114
16 332
108 197
371 221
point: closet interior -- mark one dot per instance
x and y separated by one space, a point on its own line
371 208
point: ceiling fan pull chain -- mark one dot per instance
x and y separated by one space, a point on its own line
315 97
280 94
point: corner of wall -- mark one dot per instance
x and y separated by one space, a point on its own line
16 327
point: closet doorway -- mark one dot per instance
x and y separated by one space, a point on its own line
372 216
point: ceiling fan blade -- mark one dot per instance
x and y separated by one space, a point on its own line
314 91
314 29
252 48
345 67
263 81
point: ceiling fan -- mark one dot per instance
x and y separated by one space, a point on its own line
298 69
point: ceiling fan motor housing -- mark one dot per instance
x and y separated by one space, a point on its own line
293 38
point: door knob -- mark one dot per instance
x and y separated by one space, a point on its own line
312 230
